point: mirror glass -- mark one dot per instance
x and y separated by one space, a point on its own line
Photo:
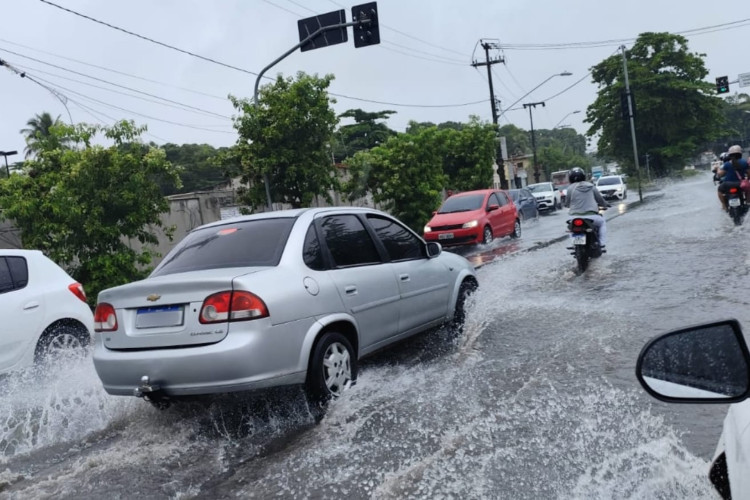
702 363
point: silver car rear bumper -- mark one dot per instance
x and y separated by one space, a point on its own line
243 360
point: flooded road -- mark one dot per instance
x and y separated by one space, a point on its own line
537 398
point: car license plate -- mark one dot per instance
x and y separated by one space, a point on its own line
159 316
445 236
734 202
579 239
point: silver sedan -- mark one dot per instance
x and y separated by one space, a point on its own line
278 298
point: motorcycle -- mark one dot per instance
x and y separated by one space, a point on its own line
736 205
585 238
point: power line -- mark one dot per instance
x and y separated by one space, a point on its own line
442 61
83 96
208 59
114 84
436 56
129 75
167 104
607 43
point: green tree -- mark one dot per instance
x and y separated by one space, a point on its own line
468 154
287 137
366 132
405 175
676 109
38 133
736 124
82 204
517 140
199 167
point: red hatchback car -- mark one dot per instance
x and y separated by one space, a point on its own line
474 217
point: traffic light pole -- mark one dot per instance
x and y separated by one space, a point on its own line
319 31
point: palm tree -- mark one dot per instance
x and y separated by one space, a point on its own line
38 129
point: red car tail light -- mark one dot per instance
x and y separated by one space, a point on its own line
77 290
105 319
232 306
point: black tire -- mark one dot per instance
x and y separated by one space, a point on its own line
516 229
459 314
332 368
582 258
736 216
60 338
487 235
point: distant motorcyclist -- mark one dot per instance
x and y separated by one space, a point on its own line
584 201
731 172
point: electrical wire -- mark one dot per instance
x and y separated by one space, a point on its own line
167 104
608 43
114 84
129 75
208 59
421 57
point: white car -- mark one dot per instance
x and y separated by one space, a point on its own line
612 187
43 310
548 196
707 364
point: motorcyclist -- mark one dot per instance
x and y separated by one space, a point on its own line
584 201
715 169
732 172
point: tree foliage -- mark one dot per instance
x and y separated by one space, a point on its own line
404 175
38 133
199 167
676 109
468 154
366 132
287 137
80 204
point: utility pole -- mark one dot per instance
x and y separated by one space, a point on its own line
629 97
487 46
533 136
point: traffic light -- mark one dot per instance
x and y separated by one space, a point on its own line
722 85
367 32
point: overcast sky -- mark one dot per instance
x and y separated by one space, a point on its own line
424 58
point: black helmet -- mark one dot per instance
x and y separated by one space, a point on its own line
576 175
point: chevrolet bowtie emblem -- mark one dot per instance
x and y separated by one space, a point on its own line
153 297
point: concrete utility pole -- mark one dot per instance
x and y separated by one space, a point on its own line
632 122
533 137
493 102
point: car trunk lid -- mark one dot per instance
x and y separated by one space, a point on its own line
164 311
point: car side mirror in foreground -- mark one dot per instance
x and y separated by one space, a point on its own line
701 364
433 249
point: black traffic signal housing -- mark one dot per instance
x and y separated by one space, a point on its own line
368 31
624 104
722 85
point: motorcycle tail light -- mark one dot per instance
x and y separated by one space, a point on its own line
578 222
733 190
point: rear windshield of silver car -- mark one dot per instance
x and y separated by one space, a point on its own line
250 243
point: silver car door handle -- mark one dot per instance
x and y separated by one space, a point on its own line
403 277
350 290
30 305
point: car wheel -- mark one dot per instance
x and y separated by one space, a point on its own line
61 339
625 195
459 314
487 235
516 229
332 369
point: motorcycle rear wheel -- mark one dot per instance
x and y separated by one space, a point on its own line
582 258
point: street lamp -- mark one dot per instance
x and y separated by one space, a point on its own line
533 137
564 117
564 73
6 154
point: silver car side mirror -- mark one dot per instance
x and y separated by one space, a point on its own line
433 249
701 364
